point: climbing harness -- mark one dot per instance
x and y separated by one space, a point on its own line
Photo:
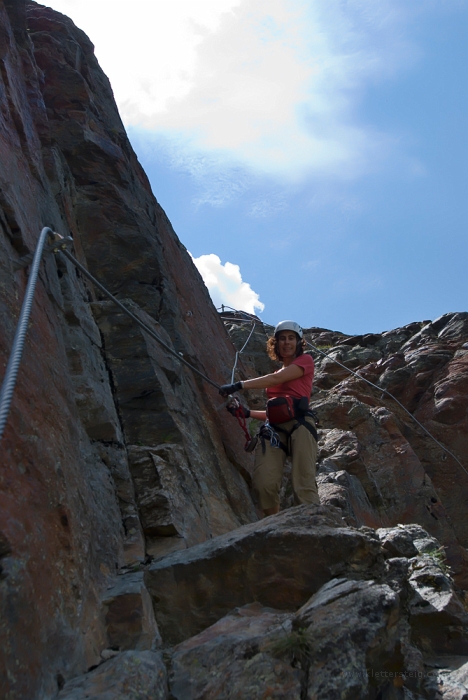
268 432
283 409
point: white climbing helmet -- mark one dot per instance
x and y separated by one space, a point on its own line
289 326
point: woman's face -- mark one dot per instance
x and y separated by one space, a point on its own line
287 344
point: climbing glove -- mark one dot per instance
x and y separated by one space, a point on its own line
227 389
233 409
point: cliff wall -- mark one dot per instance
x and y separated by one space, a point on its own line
95 398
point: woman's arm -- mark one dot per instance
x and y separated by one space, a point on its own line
284 375
259 415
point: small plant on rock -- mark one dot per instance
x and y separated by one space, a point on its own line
296 646
440 559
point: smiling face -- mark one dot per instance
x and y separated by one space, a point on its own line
287 344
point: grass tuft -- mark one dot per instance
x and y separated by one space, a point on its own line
440 559
295 646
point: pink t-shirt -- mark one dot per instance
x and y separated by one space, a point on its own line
296 387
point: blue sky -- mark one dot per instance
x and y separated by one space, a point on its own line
312 156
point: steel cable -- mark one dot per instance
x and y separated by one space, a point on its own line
141 323
11 373
384 391
239 352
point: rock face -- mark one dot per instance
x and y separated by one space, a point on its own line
357 636
375 462
132 564
93 394
130 676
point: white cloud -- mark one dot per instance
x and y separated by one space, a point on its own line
225 284
273 87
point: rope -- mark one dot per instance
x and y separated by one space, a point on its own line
11 372
239 414
239 352
142 325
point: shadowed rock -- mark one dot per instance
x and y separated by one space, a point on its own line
278 562
132 675
354 637
233 659
129 615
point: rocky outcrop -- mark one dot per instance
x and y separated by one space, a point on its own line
279 562
379 616
131 675
132 564
374 461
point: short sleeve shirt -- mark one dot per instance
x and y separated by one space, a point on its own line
297 387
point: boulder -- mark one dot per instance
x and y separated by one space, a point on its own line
278 562
345 491
132 675
347 641
400 541
234 658
397 482
129 615
354 639
438 618
171 514
452 681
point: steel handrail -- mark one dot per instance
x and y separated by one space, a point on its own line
11 373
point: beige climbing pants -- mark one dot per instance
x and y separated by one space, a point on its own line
268 469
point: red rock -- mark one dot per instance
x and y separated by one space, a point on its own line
67 505
233 658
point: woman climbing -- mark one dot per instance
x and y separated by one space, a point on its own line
288 391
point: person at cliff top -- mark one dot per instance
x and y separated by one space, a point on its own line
288 391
